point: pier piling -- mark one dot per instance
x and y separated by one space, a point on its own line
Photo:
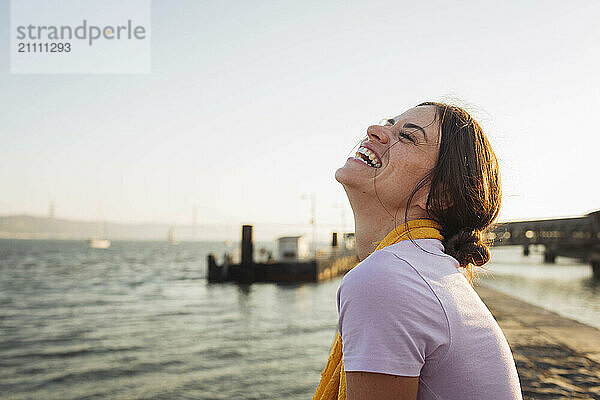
247 272
247 245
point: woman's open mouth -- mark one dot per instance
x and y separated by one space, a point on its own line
368 157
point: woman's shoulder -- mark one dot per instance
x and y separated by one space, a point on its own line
408 261
385 303
421 252
379 265
386 276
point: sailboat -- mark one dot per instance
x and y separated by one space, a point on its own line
98 242
171 236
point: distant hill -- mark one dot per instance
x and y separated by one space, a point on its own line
33 227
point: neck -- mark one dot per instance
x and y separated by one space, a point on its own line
368 232
372 223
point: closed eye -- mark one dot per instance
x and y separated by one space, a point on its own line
407 136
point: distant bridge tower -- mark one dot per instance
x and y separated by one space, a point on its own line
51 211
194 221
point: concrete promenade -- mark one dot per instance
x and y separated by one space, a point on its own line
556 357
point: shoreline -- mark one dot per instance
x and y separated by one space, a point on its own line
556 357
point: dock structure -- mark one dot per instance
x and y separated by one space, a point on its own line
577 237
326 264
556 357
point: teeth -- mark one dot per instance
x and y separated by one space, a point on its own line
375 162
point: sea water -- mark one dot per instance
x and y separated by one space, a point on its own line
139 321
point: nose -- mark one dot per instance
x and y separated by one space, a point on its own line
377 133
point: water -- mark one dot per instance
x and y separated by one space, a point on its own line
567 287
139 321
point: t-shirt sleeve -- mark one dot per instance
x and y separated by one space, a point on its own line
389 317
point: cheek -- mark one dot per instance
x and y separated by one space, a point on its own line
409 171
404 172
403 179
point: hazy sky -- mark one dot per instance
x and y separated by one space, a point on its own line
244 95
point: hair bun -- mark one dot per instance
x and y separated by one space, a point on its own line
468 248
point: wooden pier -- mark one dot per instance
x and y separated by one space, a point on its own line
577 237
326 265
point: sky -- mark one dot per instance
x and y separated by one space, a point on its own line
251 106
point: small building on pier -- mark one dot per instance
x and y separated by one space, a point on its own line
292 248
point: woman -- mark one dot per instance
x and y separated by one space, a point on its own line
423 187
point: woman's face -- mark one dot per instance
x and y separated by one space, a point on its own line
400 152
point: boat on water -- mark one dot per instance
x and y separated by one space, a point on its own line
97 243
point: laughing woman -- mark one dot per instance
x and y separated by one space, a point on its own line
423 187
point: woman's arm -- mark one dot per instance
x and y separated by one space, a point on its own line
371 386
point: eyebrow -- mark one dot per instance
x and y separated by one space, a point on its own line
409 125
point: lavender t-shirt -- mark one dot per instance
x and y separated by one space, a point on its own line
406 310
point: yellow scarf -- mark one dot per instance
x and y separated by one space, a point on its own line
333 378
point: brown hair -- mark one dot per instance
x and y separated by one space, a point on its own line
465 192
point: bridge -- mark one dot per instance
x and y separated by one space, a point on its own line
577 237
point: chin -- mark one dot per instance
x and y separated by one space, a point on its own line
339 175
344 176
351 182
